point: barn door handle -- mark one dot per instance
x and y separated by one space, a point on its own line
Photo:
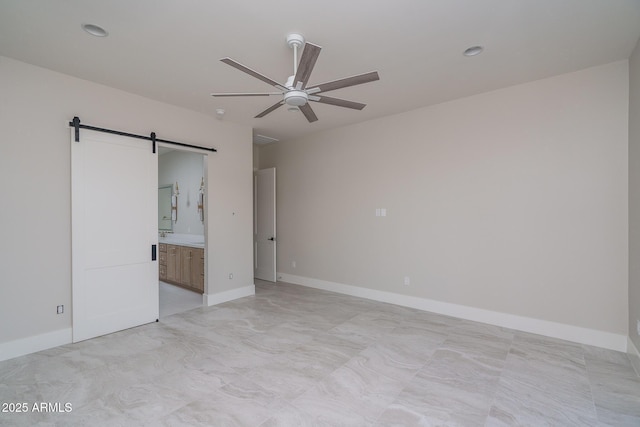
153 252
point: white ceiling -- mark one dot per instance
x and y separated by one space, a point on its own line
169 50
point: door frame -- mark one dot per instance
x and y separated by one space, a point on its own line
256 232
205 173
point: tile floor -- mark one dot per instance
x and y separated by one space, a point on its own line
293 356
174 299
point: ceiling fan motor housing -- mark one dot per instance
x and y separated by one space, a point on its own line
296 98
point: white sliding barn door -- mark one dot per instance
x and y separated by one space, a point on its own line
114 203
265 224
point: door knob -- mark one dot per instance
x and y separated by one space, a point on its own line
272 238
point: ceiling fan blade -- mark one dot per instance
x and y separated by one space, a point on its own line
308 113
253 73
270 109
346 82
338 102
305 67
245 94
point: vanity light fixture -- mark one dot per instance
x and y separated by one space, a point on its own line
174 203
473 51
201 200
95 30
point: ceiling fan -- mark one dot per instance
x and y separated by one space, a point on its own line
295 92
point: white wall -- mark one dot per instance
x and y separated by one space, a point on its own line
35 108
185 168
634 196
513 201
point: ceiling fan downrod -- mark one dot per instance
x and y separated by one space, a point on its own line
295 41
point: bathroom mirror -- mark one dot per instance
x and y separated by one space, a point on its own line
164 208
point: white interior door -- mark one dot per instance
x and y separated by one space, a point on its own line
265 224
114 199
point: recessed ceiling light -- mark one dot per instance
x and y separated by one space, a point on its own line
95 30
473 51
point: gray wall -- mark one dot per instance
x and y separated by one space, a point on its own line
513 201
634 195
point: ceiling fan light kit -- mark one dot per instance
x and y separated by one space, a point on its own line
295 92
296 98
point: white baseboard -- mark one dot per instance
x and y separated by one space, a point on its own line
634 355
563 331
22 346
230 295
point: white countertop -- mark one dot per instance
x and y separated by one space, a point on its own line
191 240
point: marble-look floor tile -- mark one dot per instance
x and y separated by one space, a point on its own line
617 398
241 403
350 395
365 328
174 299
392 359
548 349
544 381
616 390
479 339
294 356
517 405
290 416
453 388
288 375
328 352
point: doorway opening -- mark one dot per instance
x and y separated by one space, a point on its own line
182 207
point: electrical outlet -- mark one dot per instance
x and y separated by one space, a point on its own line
293 264
407 281
230 276
638 326
60 309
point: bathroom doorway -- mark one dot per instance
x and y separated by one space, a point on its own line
182 207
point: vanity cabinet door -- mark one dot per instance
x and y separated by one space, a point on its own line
163 262
197 270
183 266
173 263
186 264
